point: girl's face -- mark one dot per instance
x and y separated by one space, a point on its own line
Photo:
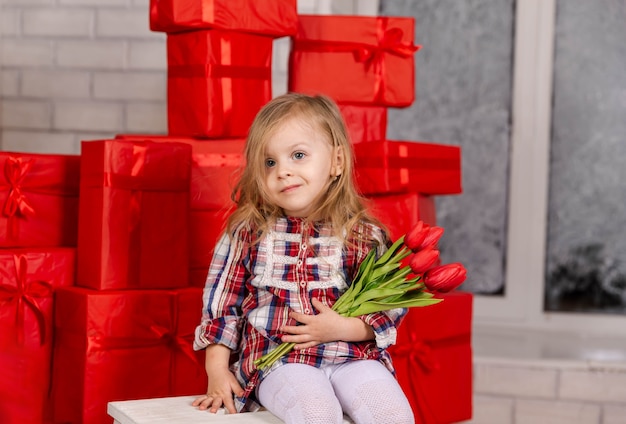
299 165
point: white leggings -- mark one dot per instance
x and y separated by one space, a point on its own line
363 389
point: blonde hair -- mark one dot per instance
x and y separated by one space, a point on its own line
341 206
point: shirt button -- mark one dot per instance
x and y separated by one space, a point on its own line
303 247
299 263
307 311
302 283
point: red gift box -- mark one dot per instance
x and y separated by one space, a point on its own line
355 59
365 123
134 208
217 82
401 212
39 199
206 228
433 359
405 166
275 18
122 345
214 167
188 370
28 278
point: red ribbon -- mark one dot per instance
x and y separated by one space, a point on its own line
372 56
219 71
178 342
422 353
15 169
413 162
390 41
217 160
26 295
134 220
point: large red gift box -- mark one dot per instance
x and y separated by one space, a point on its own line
401 212
365 123
405 166
39 199
275 18
433 359
28 279
134 209
121 345
214 167
217 81
355 59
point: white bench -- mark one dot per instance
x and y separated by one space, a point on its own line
178 410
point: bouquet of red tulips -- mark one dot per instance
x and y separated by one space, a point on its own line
405 276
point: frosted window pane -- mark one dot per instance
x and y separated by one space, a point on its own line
463 97
586 261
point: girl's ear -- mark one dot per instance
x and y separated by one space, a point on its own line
338 162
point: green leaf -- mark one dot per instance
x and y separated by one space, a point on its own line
381 271
378 293
365 265
391 251
273 355
370 307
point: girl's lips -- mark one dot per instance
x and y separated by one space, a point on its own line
289 188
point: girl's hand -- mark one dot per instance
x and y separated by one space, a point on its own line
220 392
222 382
326 326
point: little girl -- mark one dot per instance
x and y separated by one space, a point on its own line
291 248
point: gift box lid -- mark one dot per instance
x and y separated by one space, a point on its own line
275 18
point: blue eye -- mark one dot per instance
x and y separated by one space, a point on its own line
298 155
270 163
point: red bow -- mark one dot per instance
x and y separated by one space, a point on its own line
390 42
26 295
15 169
419 352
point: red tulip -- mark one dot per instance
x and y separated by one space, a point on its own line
423 260
416 236
445 278
432 238
422 236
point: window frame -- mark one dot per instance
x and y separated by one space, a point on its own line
522 304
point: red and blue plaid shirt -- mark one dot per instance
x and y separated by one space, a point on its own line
251 287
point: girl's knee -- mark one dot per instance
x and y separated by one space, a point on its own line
314 413
379 402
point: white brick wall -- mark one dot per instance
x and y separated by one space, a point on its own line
54 84
71 69
57 22
548 392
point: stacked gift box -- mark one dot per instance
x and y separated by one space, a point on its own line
366 64
39 201
103 256
151 209
124 330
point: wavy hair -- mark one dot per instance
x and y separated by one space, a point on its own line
341 205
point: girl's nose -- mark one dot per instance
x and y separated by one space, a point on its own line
284 171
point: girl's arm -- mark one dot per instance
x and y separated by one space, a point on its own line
223 294
222 383
218 332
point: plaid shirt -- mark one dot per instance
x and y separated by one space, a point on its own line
251 287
